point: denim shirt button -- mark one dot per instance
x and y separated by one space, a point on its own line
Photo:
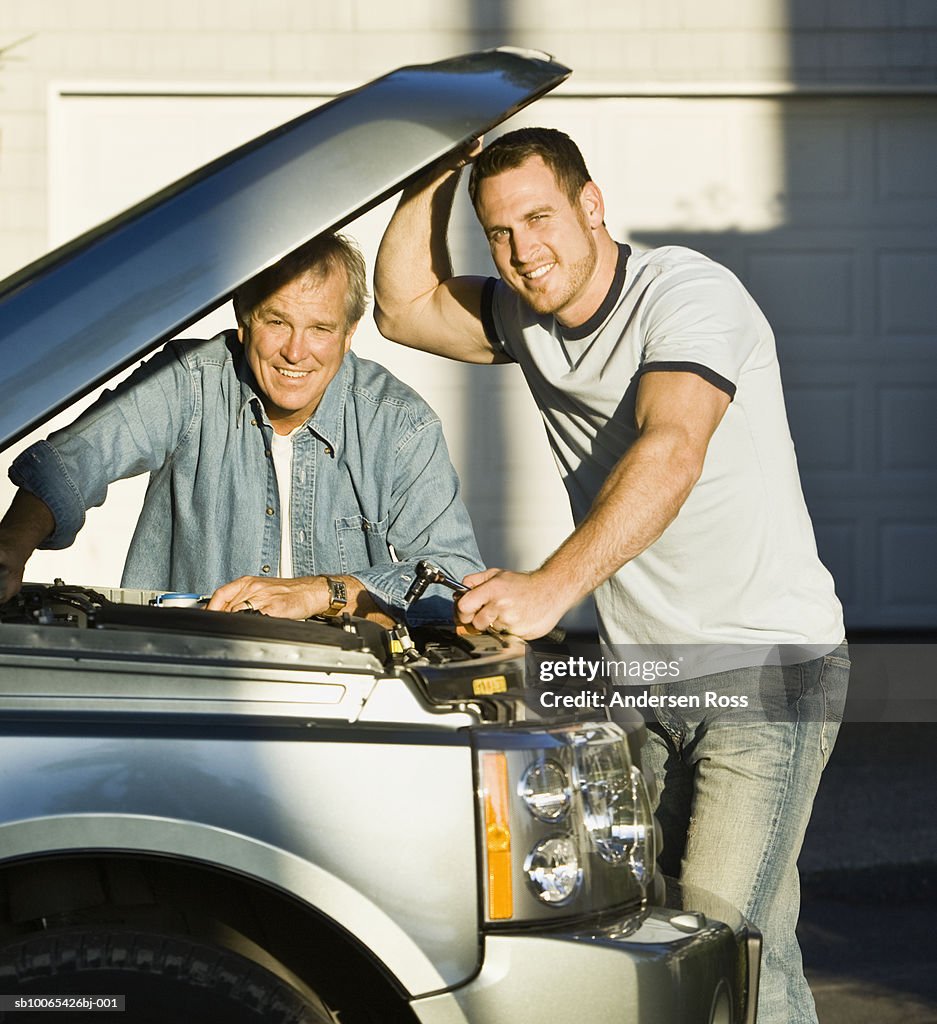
265 568
269 511
267 453
365 527
328 450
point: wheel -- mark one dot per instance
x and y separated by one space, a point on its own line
164 979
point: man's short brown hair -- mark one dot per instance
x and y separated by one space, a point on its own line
320 256
555 148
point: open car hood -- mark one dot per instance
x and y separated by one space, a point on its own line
77 316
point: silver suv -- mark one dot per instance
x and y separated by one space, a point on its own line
207 816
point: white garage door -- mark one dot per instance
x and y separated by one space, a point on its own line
851 284
826 209
846 271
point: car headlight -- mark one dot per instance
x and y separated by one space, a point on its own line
553 870
615 805
566 821
545 789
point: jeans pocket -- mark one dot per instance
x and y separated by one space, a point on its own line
834 681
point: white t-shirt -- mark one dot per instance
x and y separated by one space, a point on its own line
282 452
739 563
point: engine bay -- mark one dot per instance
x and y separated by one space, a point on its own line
66 606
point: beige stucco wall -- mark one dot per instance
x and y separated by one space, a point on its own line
626 42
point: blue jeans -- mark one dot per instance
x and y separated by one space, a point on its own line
736 792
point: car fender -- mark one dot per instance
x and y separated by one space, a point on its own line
321 890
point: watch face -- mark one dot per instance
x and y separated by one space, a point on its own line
338 595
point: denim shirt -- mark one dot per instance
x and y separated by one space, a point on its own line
371 478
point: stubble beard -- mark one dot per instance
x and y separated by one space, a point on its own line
578 275
549 304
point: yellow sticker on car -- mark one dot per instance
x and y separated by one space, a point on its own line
489 684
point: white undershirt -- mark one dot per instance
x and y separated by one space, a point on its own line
282 451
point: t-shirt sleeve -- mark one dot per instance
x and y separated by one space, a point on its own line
494 320
700 320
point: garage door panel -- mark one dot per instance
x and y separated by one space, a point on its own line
908 420
908 565
904 172
889 560
678 133
802 289
823 425
907 286
821 159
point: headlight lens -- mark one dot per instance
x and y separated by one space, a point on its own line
553 870
643 857
545 788
615 807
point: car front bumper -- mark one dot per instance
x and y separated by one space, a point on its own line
667 964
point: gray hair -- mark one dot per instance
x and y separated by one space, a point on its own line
320 256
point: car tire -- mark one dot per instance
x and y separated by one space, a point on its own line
162 978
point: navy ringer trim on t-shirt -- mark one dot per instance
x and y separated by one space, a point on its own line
716 379
608 303
569 333
488 315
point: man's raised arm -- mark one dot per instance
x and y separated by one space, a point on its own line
417 301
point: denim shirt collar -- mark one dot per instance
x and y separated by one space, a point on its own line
250 391
327 422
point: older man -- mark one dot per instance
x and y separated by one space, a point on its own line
286 475
657 379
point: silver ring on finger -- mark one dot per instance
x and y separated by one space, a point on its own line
248 605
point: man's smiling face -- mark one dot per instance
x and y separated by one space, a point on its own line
294 341
542 243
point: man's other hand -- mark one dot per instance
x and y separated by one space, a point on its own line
298 598
523 603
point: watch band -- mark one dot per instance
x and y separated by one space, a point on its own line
338 596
